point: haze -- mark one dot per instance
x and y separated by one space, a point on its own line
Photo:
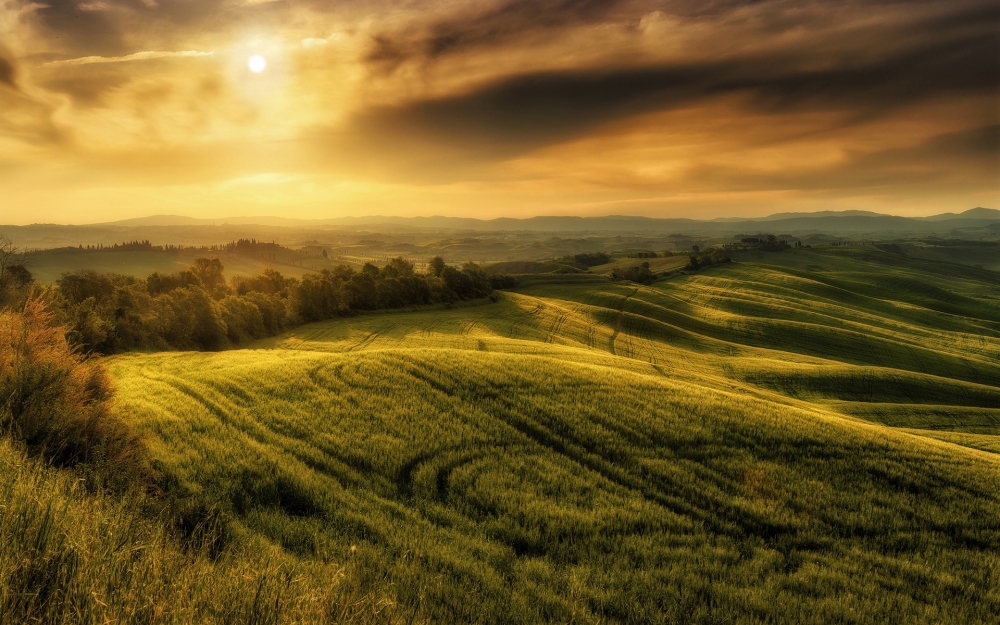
121 108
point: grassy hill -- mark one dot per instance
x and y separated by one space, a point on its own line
803 436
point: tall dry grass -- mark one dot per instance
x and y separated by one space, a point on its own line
57 402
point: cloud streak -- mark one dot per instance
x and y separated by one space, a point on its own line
136 56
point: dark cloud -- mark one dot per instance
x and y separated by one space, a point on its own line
119 27
90 32
500 24
7 73
976 15
963 65
496 25
981 144
517 114
956 159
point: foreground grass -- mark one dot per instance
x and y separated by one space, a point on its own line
69 556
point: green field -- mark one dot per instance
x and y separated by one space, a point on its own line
808 436
797 437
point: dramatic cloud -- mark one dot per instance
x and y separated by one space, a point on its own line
512 107
524 112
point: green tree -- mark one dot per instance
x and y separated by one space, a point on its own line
211 273
437 265
398 267
244 321
209 330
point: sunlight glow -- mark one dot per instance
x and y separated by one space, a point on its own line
257 64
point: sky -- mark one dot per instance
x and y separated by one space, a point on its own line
112 109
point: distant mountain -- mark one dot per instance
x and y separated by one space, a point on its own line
813 215
173 229
177 220
979 212
843 223
158 220
825 220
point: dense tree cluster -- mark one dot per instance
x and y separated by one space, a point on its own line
773 244
252 248
639 273
198 308
766 243
589 259
571 263
708 257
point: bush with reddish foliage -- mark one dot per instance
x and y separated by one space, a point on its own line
56 402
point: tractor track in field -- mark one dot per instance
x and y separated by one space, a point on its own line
375 334
618 323
556 327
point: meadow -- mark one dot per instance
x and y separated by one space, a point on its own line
798 437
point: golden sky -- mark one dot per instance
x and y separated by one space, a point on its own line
111 109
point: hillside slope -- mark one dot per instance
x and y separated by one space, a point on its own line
755 443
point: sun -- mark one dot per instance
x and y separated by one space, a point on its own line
257 64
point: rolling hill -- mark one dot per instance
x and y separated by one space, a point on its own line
803 436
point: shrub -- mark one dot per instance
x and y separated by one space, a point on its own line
57 402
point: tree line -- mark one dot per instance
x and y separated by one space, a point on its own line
198 308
